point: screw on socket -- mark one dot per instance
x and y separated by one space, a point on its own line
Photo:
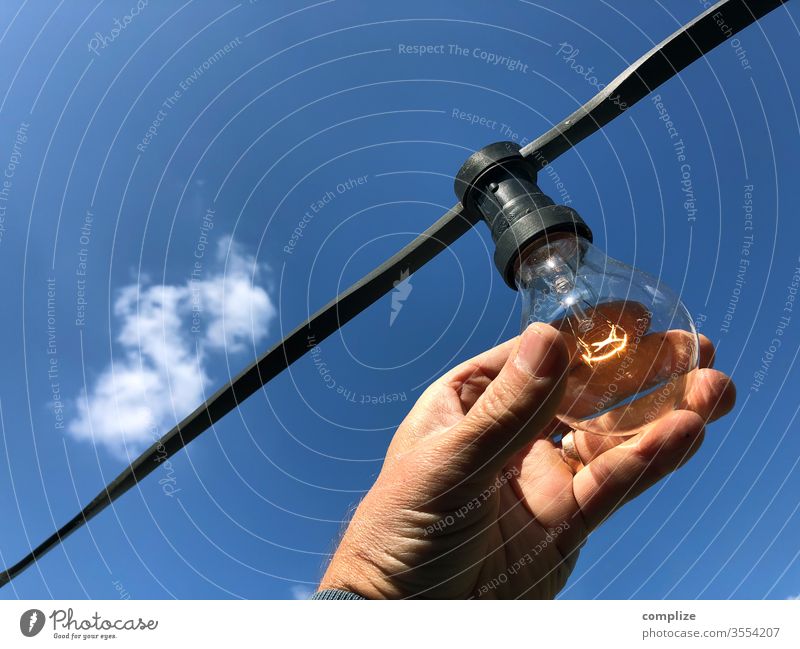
499 186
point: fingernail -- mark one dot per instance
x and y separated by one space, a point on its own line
538 353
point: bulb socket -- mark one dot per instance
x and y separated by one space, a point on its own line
497 184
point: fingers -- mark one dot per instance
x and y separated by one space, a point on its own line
544 485
645 362
623 472
516 405
470 379
709 393
620 468
660 357
707 352
445 402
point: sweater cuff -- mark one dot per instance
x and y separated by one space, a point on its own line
333 593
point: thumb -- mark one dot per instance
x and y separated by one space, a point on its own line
516 405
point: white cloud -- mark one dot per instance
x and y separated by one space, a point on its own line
160 366
301 591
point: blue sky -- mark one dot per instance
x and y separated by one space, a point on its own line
156 169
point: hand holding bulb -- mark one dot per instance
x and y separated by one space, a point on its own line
632 343
477 499
506 464
633 340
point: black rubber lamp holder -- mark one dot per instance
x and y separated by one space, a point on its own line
499 186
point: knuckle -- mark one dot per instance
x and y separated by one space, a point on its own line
497 403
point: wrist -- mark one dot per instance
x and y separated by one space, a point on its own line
357 575
348 579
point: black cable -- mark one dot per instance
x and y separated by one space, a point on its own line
657 66
692 41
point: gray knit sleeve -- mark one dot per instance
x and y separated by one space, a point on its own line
333 593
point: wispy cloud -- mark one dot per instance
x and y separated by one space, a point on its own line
301 591
167 337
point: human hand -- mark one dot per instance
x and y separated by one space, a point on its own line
476 499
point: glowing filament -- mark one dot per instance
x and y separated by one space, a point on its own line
613 345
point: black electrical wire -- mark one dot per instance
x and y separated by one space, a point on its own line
664 61
698 37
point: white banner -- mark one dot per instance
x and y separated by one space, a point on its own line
407 624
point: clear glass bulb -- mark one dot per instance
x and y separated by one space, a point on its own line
631 340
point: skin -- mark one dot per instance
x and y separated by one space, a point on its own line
475 498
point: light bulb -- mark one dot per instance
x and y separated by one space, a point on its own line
632 342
